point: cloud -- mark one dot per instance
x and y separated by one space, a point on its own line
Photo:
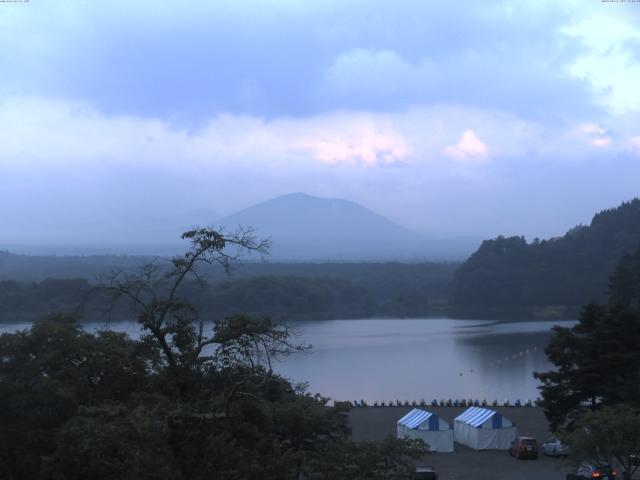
57 133
61 159
592 128
77 134
371 151
272 58
598 135
609 59
234 102
469 148
378 74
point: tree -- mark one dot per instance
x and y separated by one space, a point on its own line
605 435
112 441
624 284
391 459
48 373
180 403
597 361
169 322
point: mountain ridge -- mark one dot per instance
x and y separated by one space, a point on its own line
303 226
550 277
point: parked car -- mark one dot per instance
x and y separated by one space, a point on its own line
635 463
524 447
601 472
424 472
554 447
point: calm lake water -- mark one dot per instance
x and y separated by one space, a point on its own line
412 359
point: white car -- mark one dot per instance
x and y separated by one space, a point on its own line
555 448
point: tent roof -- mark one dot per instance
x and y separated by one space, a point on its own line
415 418
475 416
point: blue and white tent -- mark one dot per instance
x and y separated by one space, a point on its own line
483 429
426 426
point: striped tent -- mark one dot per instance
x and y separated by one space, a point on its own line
483 429
426 426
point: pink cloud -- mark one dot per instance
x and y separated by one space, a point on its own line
594 130
470 147
601 142
370 149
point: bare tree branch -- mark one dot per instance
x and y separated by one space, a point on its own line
154 292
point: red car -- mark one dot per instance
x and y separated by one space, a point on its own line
524 447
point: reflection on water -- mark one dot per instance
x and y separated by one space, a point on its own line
411 359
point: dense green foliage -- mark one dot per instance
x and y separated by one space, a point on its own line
552 278
624 284
23 302
294 291
35 268
607 434
75 405
292 297
377 277
598 360
598 363
181 403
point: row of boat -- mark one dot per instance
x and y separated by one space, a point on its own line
446 403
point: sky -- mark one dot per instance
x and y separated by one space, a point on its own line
454 118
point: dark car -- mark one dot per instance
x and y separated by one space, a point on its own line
601 472
524 447
423 472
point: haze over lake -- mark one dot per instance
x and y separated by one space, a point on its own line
411 359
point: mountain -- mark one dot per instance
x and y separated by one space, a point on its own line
548 278
301 227
304 227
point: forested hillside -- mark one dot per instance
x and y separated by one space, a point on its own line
288 291
549 278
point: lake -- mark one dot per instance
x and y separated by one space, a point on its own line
412 359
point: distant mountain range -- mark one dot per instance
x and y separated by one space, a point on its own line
304 227
549 278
